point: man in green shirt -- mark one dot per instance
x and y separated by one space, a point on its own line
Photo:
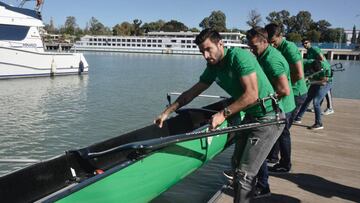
277 70
293 57
317 91
237 72
315 53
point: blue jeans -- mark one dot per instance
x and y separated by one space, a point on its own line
315 93
251 148
283 144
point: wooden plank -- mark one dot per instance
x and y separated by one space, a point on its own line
326 163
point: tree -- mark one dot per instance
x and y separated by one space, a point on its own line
70 25
194 29
97 28
137 29
153 26
313 35
50 28
216 20
281 18
302 22
294 37
254 18
353 38
174 26
333 35
123 29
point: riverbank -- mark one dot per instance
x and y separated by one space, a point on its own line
326 163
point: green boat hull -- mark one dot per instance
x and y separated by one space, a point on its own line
147 178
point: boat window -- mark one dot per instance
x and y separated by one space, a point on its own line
183 41
118 40
173 40
114 40
90 39
168 46
160 41
128 40
159 45
138 40
149 40
144 40
12 32
188 41
133 40
95 40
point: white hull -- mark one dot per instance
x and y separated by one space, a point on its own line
20 63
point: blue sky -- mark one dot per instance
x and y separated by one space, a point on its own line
339 13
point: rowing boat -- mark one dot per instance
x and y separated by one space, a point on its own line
133 172
133 167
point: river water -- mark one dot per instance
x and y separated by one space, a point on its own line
43 117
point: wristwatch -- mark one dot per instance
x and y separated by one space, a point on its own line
226 112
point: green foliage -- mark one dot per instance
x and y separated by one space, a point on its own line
153 26
174 26
313 35
294 37
217 21
254 19
97 28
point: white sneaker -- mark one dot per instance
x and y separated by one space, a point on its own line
328 112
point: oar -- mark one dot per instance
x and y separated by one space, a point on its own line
337 67
157 143
313 74
19 161
153 144
168 96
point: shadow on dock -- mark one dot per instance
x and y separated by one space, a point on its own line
320 186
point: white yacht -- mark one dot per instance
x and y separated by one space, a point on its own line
22 52
153 42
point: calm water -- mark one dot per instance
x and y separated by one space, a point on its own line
43 117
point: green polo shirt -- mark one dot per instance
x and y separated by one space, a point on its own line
238 63
292 55
275 65
325 73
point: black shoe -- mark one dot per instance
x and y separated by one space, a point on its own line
272 161
316 127
261 192
277 168
229 174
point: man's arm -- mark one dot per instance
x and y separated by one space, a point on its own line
282 87
185 98
296 72
249 97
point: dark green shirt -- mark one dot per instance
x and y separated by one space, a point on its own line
292 55
238 63
275 65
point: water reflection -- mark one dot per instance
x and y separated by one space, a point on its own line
34 112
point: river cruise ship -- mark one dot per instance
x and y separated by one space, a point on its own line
153 42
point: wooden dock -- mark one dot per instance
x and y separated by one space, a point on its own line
326 163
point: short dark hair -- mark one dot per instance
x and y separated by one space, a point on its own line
316 65
305 39
273 29
257 32
210 33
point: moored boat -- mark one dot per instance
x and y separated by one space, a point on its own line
22 52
